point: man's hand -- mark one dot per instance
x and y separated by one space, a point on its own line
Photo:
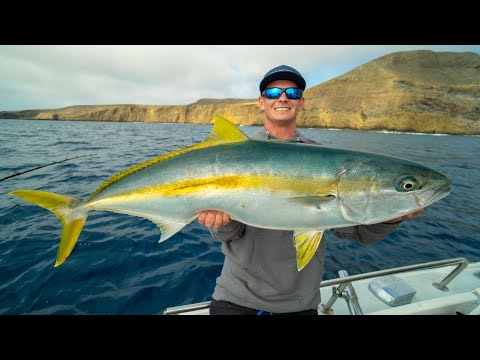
213 218
404 217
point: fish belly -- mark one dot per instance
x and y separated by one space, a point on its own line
256 208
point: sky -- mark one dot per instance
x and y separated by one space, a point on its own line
56 76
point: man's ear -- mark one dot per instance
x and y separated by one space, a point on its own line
261 102
302 104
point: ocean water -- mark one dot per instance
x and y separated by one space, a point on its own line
118 266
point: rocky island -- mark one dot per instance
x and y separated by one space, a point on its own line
408 91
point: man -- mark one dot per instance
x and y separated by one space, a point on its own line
254 278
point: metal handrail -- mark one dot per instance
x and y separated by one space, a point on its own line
462 261
344 281
351 296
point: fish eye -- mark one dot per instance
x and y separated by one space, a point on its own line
406 184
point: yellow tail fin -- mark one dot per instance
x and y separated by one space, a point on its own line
67 208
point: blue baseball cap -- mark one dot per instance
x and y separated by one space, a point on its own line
283 72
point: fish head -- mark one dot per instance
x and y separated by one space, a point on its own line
376 188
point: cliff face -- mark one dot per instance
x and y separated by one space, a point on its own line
417 91
245 114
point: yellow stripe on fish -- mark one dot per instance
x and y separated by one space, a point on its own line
293 186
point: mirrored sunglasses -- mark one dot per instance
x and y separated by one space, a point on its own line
276 92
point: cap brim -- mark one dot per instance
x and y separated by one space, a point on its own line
284 75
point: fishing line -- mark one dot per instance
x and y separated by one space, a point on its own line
49 275
16 173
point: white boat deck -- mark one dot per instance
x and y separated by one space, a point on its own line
459 279
461 295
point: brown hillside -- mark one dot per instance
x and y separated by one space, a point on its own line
421 91
417 91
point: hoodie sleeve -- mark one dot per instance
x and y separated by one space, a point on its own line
366 234
234 230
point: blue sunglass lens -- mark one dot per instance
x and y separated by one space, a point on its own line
273 93
276 93
293 93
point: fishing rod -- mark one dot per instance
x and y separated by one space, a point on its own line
16 173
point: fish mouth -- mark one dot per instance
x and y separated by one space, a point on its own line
428 197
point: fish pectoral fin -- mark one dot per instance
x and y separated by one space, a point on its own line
306 243
312 201
168 227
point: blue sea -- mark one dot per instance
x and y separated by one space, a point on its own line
118 266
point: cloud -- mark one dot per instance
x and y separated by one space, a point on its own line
54 76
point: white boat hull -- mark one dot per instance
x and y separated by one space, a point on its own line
459 292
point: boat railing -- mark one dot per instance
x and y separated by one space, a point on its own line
350 296
343 283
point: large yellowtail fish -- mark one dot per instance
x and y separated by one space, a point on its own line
286 186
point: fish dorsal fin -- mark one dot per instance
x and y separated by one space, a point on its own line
223 132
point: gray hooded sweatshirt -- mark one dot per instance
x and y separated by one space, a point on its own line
260 267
